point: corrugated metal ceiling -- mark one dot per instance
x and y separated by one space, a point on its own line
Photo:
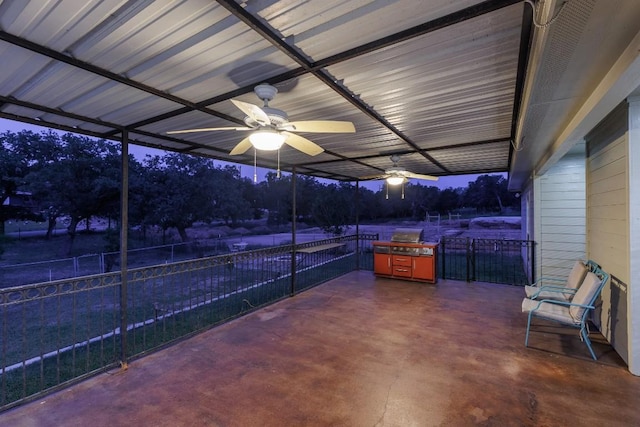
434 81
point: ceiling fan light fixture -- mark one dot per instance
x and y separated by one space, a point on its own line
267 139
395 180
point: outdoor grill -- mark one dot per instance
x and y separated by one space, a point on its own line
406 256
407 235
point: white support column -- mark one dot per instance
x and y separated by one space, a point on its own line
633 295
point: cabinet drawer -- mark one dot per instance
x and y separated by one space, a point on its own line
401 271
402 260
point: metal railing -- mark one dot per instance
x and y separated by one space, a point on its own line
55 333
105 262
58 332
487 260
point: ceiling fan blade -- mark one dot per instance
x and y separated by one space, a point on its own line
241 148
253 111
174 132
303 144
420 176
321 126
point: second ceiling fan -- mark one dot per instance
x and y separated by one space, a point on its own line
396 175
270 127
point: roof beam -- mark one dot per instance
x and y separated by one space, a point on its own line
58 112
405 152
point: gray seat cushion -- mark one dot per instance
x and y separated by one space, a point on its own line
574 280
585 294
548 310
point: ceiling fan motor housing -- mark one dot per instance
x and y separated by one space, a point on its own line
265 92
396 171
277 117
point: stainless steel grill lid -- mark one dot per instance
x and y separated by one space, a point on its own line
407 235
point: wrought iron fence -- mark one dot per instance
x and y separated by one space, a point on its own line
57 332
105 262
487 260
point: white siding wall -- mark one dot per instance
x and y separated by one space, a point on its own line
561 215
608 221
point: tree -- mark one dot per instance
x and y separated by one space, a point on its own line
230 194
333 208
448 200
179 191
278 200
42 151
72 175
306 189
489 193
422 199
13 168
370 204
141 196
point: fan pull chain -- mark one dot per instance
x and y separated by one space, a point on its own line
255 165
278 170
403 191
386 184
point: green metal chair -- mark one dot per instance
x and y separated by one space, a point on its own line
558 288
574 312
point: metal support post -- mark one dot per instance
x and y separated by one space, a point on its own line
124 225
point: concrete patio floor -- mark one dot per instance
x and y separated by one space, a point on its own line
362 351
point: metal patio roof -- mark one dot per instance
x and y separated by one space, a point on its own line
454 87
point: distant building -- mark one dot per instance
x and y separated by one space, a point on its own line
21 199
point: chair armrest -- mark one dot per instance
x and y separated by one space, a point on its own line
550 279
560 289
555 289
565 303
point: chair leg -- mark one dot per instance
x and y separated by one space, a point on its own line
584 333
526 339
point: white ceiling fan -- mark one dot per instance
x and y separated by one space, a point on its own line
396 175
270 127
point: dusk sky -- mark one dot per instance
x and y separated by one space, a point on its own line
140 152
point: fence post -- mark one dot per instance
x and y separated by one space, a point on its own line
293 232
357 225
469 254
532 247
443 253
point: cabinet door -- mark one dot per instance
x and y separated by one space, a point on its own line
382 264
424 268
